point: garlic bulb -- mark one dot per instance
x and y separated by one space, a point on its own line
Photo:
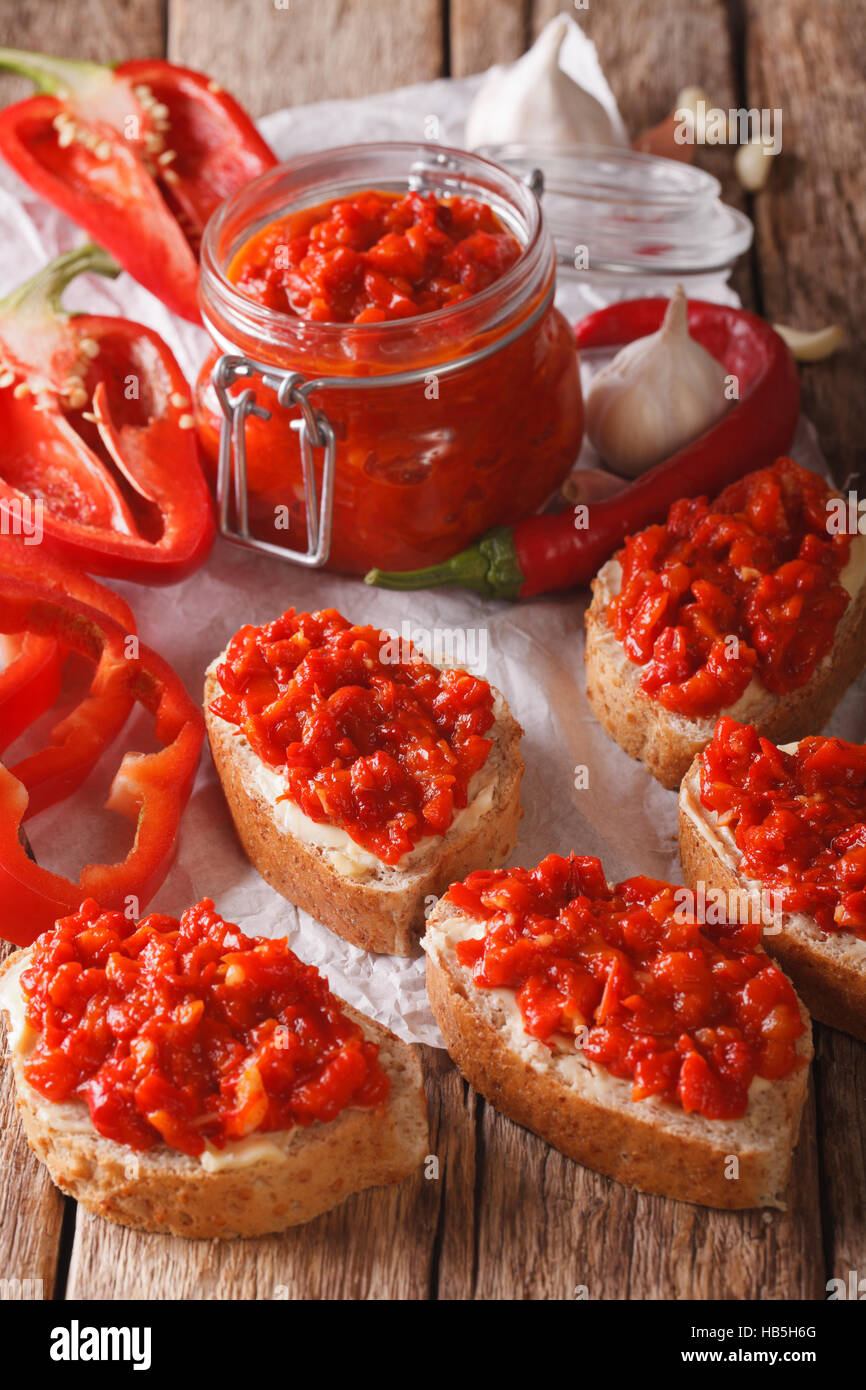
533 100
658 394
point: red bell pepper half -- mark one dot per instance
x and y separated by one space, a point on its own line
151 789
139 155
30 685
95 425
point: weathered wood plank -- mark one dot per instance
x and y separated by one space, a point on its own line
484 32
581 1236
810 61
688 1252
274 53
649 53
31 1207
105 31
379 1244
840 1071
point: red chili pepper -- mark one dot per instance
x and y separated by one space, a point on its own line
150 789
95 425
543 554
77 742
138 155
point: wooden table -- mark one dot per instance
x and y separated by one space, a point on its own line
509 1217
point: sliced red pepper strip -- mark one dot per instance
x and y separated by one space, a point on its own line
95 422
77 741
30 562
151 789
544 554
139 156
29 683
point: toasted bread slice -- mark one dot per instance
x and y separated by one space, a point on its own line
268 1184
667 742
828 969
589 1115
383 910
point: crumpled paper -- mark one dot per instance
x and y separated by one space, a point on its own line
534 650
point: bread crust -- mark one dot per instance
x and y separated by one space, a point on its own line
162 1190
831 985
630 1143
382 916
667 743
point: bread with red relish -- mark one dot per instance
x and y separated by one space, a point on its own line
828 968
163 1190
384 912
759 575
589 1114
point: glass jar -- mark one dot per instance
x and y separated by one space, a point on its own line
445 424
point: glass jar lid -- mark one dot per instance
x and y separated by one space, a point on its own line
612 211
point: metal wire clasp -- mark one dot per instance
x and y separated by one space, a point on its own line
315 431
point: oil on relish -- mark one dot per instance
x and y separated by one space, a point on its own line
690 1013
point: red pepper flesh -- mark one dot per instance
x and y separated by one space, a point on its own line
78 740
29 683
150 789
95 423
139 156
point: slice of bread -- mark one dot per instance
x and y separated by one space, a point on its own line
383 910
590 1116
294 1177
827 969
667 742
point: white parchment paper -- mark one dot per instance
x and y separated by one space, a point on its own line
534 650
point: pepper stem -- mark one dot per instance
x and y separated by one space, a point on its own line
47 285
55 75
490 567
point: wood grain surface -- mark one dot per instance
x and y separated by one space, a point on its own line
31 1208
506 1216
810 61
104 31
273 54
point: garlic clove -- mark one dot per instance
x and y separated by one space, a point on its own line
534 101
695 99
752 164
666 139
661 141
657 395
812 347
588 485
